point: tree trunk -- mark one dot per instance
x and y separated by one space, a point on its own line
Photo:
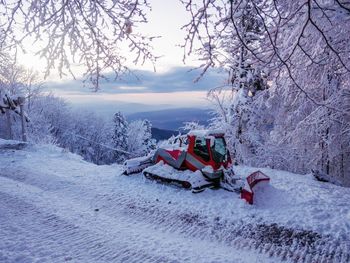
24 132
9 127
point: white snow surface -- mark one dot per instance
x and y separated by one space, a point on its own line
204 133
55 207
195 178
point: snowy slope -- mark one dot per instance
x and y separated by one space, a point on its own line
55 207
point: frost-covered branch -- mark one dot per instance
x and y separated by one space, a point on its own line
290 34
77 32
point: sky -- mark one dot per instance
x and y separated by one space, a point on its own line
170 86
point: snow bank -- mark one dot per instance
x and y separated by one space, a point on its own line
301 202
196 179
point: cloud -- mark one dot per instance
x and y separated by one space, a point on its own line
177 79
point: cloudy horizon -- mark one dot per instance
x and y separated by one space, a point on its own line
143 90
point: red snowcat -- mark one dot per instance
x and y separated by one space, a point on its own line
197 160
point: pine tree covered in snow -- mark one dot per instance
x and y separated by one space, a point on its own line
120 136
149 143
140 138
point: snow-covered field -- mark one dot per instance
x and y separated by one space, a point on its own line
55 207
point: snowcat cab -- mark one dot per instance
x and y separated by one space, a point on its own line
199 150
210 150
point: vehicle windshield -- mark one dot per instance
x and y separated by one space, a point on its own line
201 150
219 150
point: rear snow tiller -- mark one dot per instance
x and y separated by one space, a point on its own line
195 161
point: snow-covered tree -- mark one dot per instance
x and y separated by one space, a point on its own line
85 32
308 136
47 115
16 82
301 122
239 33
192 125
149 143
140 138
120 136
86 134
281 34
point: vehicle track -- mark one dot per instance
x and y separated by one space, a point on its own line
48 238
34 231
296 245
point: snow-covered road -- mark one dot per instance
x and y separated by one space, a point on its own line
54 207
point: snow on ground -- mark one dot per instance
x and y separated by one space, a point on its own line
55 207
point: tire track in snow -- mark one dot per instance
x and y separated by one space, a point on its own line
82 237
296 245
36 235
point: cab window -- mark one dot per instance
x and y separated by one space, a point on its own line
201 149
219 150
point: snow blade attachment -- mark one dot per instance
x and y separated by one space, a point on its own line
253 179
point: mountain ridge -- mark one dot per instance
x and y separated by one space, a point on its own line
173 119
